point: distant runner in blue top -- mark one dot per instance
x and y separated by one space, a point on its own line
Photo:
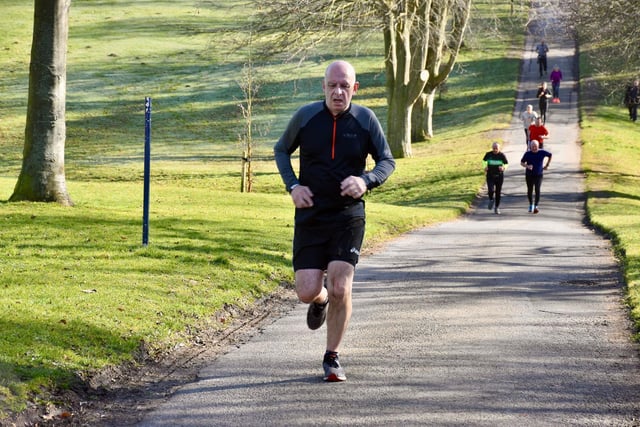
533 162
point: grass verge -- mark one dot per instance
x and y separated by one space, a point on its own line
610 157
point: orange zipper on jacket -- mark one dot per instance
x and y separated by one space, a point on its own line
333 141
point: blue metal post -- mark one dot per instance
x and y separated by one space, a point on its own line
147 167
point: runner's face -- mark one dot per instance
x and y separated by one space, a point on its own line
339 85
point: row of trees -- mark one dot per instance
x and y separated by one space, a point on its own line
422 39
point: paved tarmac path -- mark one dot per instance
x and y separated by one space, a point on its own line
492 320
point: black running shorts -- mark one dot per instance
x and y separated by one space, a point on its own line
315 246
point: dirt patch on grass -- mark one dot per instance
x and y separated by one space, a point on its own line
121 396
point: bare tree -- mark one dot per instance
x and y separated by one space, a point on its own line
249 87
611 29
296 27
410 37
42 177
450 19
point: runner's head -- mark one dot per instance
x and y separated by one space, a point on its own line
535 145
339 85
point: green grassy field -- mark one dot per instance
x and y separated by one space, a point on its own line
611 155
80 292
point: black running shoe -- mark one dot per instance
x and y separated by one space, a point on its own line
333 372
316 314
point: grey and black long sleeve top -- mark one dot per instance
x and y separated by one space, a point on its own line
331 149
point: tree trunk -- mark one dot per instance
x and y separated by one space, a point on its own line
428 120
418 117
405 34
422 117
399 126
449 20
42 177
